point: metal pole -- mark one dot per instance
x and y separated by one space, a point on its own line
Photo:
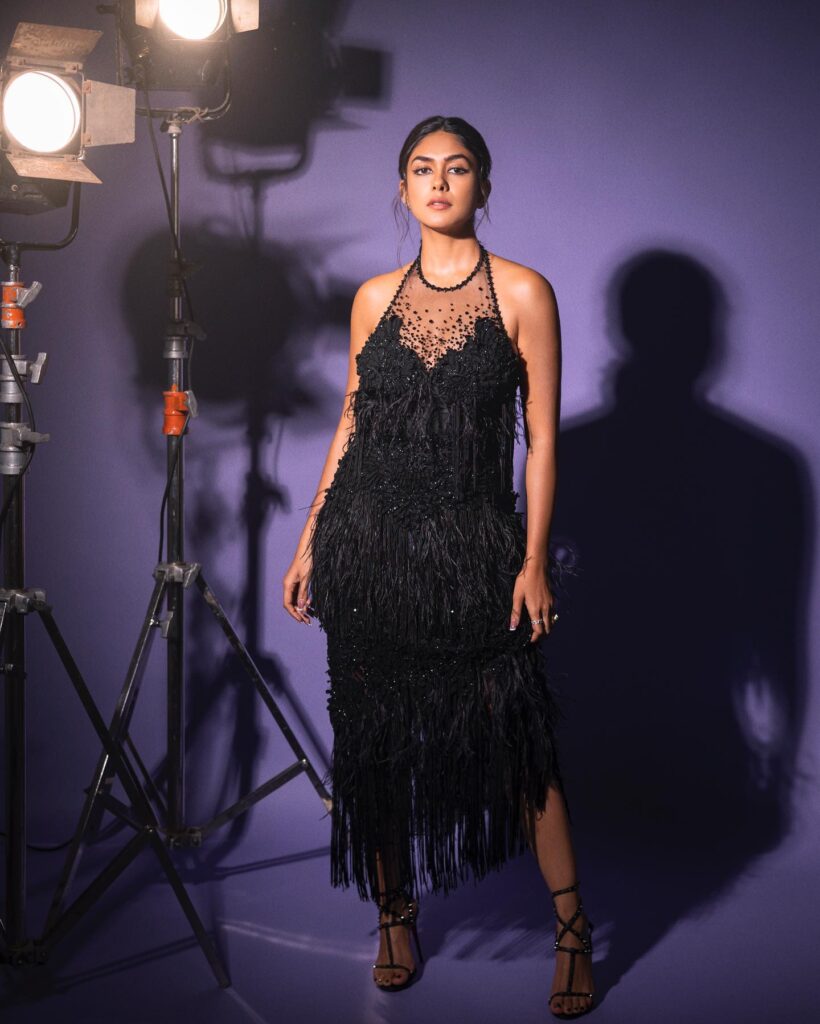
14 669
174 550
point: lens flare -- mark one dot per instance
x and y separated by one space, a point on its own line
193 19
41 111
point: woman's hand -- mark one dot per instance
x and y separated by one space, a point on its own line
532 591
296 583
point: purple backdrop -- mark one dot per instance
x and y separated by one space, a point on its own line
658 162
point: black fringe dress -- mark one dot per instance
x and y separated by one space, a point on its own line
443 718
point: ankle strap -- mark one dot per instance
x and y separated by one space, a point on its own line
569 888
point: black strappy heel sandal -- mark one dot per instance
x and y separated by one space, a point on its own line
586 940
406 919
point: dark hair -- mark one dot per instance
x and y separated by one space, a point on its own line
469 136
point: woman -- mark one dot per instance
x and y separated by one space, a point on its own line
432 594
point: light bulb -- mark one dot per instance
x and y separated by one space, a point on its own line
41 111
193 19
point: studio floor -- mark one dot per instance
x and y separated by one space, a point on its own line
299 957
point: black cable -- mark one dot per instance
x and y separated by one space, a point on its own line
29 409
42 848
101 836
178 258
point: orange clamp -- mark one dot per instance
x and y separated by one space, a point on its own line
176 410
12 316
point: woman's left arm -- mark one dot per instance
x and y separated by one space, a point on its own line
539 345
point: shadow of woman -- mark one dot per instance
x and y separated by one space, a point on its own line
681 648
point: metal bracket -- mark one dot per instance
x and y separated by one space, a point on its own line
33 371
164 624
190 837
18 435
178 572
174 572
176 338
22 601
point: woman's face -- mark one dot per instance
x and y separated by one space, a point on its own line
442 187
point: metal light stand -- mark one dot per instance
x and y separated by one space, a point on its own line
16 442
173 578
16 601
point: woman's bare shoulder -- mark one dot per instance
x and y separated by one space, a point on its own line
520 281
374 294
523 295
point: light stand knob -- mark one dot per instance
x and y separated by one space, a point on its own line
16 440
28 295
33 371
37 368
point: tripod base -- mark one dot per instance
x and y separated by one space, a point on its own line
168 828
20 950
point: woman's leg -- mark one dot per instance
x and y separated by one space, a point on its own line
556 859
387 867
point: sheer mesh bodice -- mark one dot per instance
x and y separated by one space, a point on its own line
434 319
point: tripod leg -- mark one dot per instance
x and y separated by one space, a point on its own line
261 687
110 873
55 926
207 945
103 776
148 783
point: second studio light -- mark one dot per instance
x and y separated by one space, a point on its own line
180 44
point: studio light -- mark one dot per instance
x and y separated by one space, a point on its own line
50 113
180 45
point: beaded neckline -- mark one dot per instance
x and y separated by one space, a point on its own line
451 287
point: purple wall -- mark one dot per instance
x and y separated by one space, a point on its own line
658 162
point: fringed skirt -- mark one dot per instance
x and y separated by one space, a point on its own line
443 718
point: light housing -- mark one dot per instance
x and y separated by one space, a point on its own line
175 45
50 113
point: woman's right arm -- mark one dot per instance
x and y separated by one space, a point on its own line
363 316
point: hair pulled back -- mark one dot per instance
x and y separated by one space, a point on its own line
470 137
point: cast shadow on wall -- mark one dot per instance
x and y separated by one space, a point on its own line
684 646
680 652
250 375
